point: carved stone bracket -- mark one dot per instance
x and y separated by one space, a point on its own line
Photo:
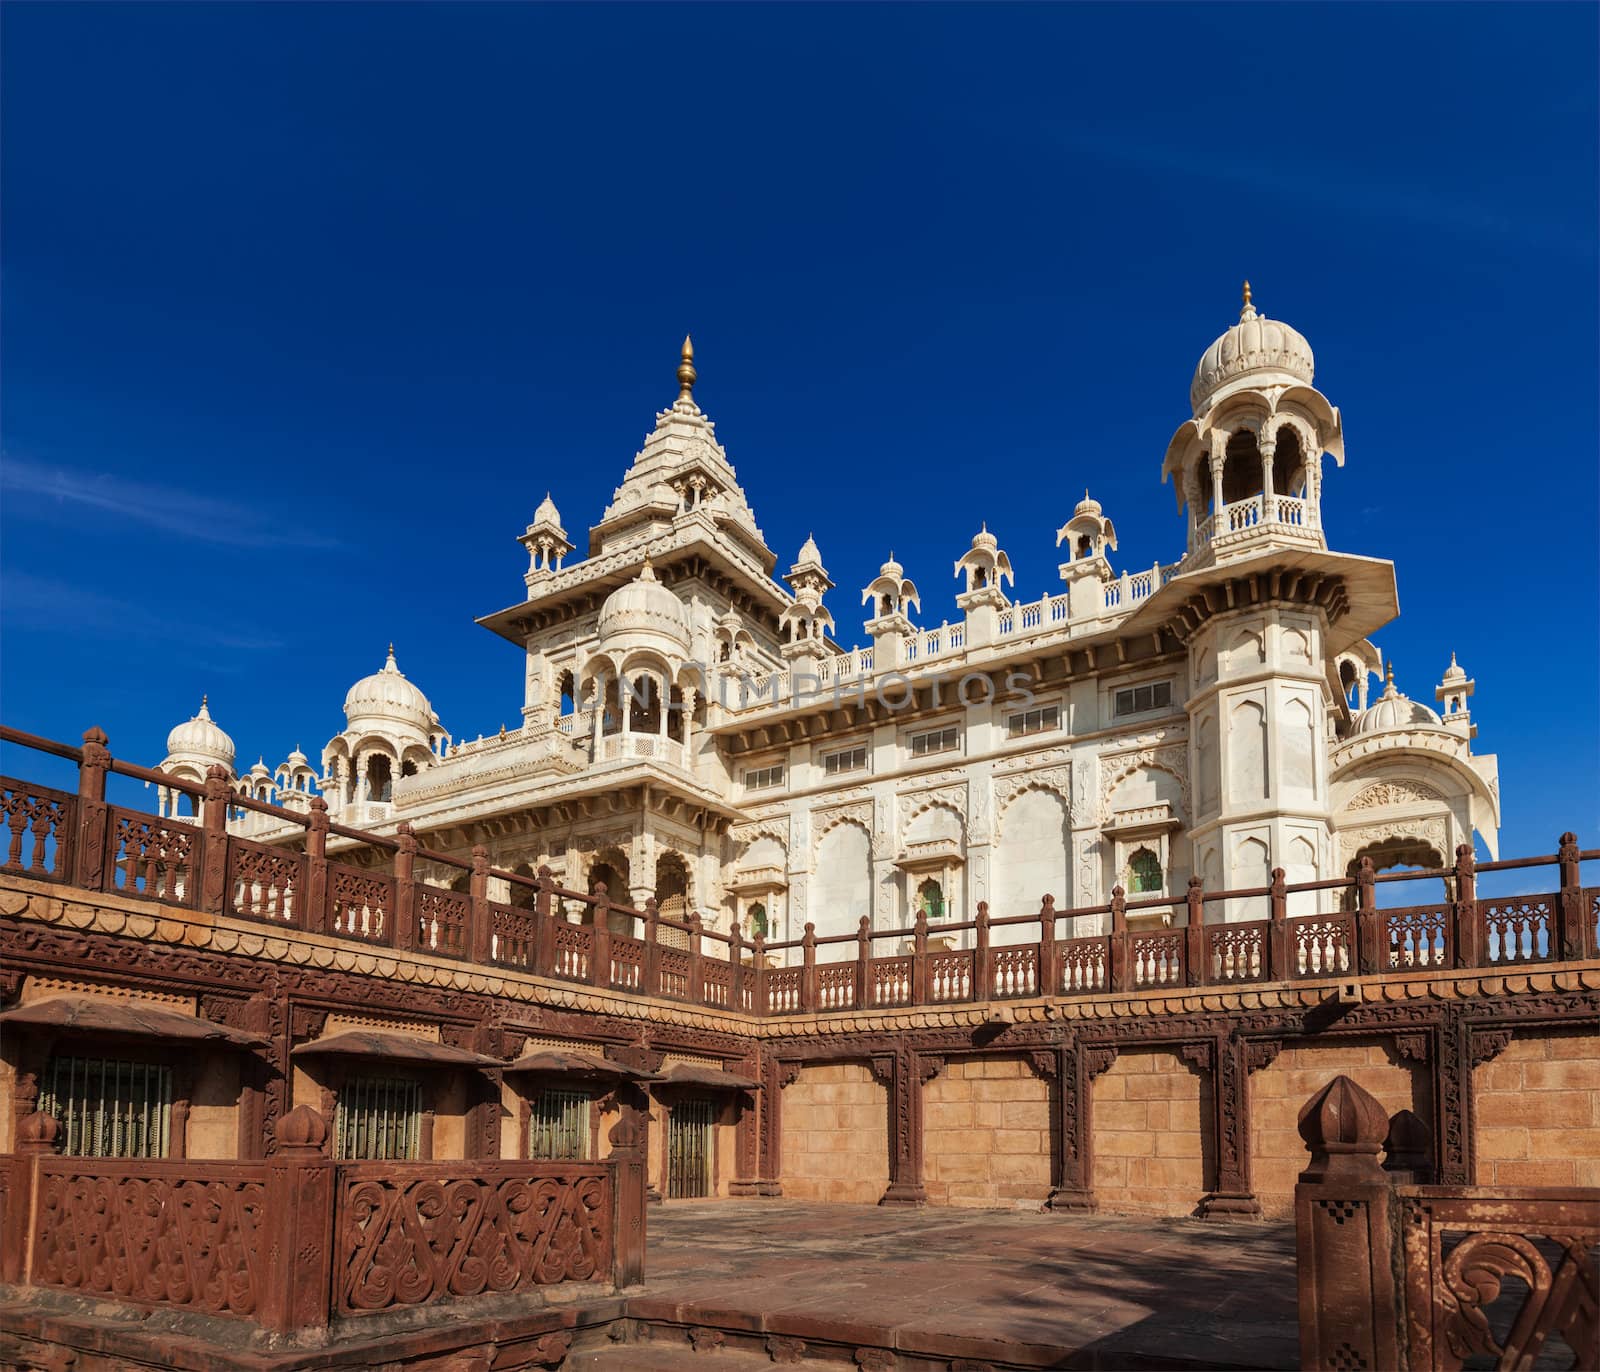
1488 1044
1260 1054
1097 1060
1413 1047
1042 1063
1199 1056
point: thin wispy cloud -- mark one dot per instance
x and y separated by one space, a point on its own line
33 486
43 603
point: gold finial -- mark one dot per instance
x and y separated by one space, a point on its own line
205 699
1246 293
1388 675
686 371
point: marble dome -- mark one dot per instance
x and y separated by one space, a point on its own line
388 695
200 737
1257 347
644 606
1393 711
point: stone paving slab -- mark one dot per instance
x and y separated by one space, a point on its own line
1104 1290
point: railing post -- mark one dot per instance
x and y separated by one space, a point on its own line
982 958
864 964
1194 936
298 1283
697 988
600 939
1277 950
808 973
1119 939
1372 955
652 947
38 1136
544 949
405 890
1049 982
478 903
1468 927
92 858
214 845
919 959
735 966
758 988
1344 1235
1571 935
628 1201
315 918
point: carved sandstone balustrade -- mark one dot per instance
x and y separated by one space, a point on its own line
1393 1274
296 1240
81 840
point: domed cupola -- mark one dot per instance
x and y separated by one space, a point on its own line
1393 711
643 613
387 698
199 741
1265 350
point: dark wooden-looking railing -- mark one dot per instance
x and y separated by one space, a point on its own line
82 841
1395 1273
298 1239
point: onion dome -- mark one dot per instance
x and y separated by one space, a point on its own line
389 697
1454 672
1088 506
259 772
1267 351
891 568
644 606
201 738
1392 711
297 758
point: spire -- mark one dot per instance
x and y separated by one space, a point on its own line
1247 311
686 371
204 701
391 665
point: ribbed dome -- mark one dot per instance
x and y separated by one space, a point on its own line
809 552
1393 711
1454 672
1087 506
547 512
387 695
202 738
644 605
1254 345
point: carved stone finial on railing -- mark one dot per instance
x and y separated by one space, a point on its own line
1407 1147
38 1133
1278 894
1119 910
301 1132
1366 885
1194 897
1344 1127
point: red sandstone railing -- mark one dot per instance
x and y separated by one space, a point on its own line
82 841
298 1239
1395 1273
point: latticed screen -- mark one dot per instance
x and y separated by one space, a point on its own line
110 1107
558 1126
379 1118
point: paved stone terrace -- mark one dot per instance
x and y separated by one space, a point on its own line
1043 1290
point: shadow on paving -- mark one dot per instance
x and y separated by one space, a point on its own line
1160 1292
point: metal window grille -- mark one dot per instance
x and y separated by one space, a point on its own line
110 1107
378 1118
689 1150
558 1126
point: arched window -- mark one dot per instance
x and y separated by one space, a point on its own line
568 691
380 782
1085 546
930 899
1144 872
1241 474
758 921
1289 464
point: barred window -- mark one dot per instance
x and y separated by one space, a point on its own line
1039 721
558 1126
936 741
110 1107
1144 871
378 1119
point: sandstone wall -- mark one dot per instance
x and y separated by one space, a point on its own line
986 1135
1538 1112
1277 1093
1152 1131
835 1135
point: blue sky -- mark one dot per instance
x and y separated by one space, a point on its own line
305 307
